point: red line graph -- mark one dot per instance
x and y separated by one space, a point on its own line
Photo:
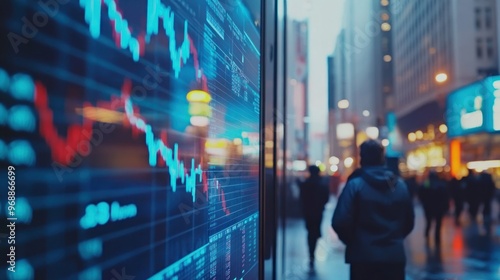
222 198
63 148
202 78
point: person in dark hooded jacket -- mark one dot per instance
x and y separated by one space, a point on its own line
373 216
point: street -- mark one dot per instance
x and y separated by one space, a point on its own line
466 253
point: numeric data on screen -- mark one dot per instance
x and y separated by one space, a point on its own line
133 127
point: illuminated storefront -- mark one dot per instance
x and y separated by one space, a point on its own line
424 141
473 120
429 156
426 149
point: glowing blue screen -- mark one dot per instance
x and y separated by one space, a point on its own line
133 130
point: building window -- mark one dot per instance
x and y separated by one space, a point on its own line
479 48
489 47
487 18
478 18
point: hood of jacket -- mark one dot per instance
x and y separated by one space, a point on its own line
379 177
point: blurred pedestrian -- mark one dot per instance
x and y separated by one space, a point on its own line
374 214
487 192
434 197
314 195
473 193
411 182
457 191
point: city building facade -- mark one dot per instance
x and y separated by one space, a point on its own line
296 103
439 47
362 80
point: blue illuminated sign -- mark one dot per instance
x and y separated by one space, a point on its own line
492 104
474 108
393 148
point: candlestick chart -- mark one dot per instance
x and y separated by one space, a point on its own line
117 116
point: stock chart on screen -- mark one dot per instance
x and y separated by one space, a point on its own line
131 129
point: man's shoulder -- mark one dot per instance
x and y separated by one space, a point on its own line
354 180
355 183
403 185
355 174
401 181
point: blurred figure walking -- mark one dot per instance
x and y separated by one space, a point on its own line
457 191
434 198
314 195
487 192
473 193
374 214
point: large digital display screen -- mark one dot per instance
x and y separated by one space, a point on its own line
474 108
129 145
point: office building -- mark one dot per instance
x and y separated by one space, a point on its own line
439 46
362 77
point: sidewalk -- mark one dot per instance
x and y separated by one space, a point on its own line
466 253
329 252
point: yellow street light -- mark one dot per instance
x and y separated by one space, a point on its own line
443 128
441 77
334 160
348 162
385 26
412 137
419 134
343 104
